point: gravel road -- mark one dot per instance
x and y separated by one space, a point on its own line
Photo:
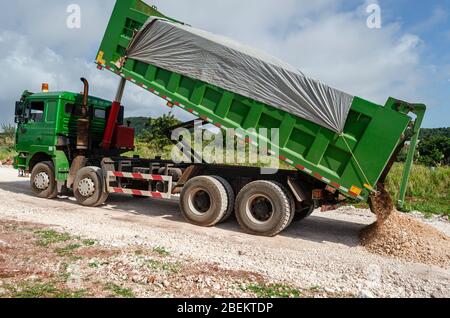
320 252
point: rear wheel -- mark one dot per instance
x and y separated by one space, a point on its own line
204 201
264 208
88 187
43 181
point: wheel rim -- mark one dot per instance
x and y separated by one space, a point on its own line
86 187
42 181
199 202
259 209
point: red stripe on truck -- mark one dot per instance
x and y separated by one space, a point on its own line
137 176
157 178
157 195
336 185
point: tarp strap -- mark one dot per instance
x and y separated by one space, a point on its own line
358 164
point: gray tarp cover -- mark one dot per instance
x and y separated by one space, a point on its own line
232 66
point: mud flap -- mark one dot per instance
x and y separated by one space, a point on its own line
78 163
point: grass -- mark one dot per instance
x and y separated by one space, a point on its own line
94 264
68 250
428 189
48 237
89 242
6 153
273 291
164 266
42 290
120 291
161 251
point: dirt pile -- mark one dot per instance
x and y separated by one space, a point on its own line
398 235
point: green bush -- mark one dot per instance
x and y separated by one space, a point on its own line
428 188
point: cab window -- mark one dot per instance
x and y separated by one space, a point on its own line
37 111
73 109
100 113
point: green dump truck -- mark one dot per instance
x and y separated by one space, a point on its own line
338 146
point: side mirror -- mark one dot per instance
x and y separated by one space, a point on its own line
20 113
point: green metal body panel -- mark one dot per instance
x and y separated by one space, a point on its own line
351 162
41 138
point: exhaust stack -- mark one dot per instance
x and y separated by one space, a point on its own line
83 121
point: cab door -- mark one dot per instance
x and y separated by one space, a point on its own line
38 133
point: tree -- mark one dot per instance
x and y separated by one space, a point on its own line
7 136
435 151
155 134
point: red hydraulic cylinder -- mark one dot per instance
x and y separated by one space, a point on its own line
113 116
111 125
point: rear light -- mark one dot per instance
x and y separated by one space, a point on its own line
45 88
318 194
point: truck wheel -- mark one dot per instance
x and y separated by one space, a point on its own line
231 198
204 201
43 182
88 187
264 208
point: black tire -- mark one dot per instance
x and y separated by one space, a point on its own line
290 196
231 198
264 208
43 181
204 201
303 211
88 187
105 195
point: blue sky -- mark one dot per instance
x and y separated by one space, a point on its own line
431 21
408 58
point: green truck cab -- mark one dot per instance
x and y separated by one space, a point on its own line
47 129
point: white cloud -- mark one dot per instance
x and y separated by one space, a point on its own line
26 67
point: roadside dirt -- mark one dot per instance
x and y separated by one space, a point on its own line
399 235
321 253
39 262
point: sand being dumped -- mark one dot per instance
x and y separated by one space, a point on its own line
398 235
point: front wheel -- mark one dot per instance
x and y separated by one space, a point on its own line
43 181
88 187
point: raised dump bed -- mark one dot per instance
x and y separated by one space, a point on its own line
352 158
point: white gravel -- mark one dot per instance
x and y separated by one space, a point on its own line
321 251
